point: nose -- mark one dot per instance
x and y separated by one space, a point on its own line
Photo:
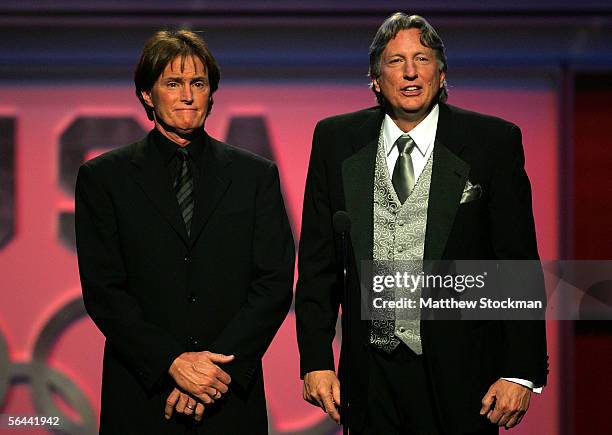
410 70
186 94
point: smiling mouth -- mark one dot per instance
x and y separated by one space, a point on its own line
410 89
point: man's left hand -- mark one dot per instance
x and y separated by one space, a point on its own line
511 403
184 404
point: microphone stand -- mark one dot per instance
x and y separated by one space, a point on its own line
342 226
346 343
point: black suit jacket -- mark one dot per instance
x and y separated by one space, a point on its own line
464 358
156 293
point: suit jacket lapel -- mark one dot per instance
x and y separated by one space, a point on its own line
358 182
448 177
150 174
213 183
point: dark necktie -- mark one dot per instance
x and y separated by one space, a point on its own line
183 187
403 173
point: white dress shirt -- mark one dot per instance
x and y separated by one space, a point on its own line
423 135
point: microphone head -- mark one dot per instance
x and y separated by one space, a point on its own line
342 222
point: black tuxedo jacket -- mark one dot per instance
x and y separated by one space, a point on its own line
464 358
156 293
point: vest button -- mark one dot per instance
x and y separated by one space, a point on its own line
401 330
401 222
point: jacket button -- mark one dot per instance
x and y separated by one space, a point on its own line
191 298
187 258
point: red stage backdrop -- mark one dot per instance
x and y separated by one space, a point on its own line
50 352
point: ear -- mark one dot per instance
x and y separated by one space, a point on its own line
146 96
442 79
375 84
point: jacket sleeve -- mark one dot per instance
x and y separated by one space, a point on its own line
317 292
251 331
145 348
514 238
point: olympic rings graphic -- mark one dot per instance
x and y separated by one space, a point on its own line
46 381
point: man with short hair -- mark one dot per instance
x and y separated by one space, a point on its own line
420 180
186 259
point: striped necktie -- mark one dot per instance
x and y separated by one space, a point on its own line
183 188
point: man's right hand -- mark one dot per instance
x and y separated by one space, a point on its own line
322 388
198 374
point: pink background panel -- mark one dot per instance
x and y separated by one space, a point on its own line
39 274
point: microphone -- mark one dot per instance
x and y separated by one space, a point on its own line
342 226
342 222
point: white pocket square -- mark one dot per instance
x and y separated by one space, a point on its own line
471 192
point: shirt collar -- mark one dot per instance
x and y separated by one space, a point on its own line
423 134
168 148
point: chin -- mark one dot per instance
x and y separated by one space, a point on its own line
413 111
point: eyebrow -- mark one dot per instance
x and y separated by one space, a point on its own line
180 79
427 51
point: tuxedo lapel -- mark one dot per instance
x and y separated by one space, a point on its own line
150 174
448 177
358 182
214 181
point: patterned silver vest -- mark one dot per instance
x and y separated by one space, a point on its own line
399 236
